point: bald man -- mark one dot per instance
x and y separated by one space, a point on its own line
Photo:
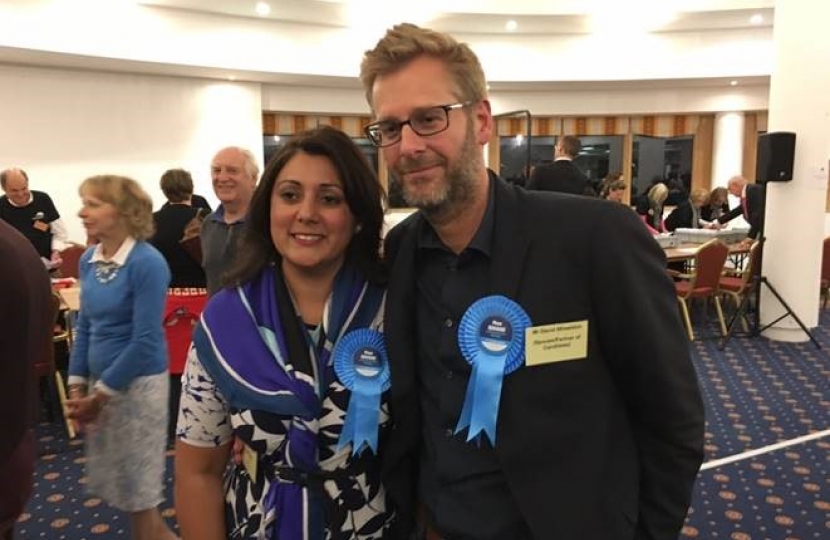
33 214
753 202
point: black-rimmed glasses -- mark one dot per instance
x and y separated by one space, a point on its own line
424 122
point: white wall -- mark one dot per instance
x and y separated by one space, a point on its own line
62 126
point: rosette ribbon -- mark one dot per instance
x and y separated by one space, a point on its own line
361 365
491 337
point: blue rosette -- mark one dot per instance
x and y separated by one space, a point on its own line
361 365
491 337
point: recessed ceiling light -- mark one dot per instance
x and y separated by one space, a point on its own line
263 9
511 25
733 83
756 19
231 77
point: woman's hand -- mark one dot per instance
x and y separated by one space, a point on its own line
85 409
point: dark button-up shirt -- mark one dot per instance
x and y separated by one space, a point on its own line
462 486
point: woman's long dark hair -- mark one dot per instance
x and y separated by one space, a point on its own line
363 192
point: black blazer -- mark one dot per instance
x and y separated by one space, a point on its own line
756 200
562 176
681 217
604 447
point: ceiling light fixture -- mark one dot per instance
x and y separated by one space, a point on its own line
511 25
231 77
733 83
263 9
756 19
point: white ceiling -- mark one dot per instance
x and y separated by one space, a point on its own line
490 16
538 21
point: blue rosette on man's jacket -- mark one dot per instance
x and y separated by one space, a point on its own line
491 337
361 365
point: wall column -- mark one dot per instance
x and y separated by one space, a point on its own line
728 147
795 210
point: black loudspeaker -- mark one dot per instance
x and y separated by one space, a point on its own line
776 154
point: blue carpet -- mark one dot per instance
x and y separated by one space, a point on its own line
60 508
775 496
756 393
759 392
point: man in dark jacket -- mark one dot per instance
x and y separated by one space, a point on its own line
562 175
591 427
26 321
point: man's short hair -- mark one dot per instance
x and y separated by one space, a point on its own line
251 166
406 42
570 145
5 175
177 185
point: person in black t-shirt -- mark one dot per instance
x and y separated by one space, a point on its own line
33 214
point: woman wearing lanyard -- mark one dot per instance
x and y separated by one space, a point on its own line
287 360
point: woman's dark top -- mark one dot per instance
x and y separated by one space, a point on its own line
170 223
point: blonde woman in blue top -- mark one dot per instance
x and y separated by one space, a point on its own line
118 381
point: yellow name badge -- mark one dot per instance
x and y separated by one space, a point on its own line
556 342
249 460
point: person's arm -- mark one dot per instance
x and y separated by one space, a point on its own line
149 277
60 236
204 436
732 214
649 359
199 492
78 362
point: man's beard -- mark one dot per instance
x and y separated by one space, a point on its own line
458 187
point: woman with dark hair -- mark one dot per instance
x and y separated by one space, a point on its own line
613 187
171 221
287 359
717 205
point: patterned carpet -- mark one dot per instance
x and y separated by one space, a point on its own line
60 508
757 393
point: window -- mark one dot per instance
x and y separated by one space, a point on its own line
272 144
663 159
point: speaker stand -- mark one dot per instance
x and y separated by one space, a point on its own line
756 328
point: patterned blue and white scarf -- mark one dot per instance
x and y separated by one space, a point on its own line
257 350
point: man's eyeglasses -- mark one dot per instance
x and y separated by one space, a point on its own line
424 122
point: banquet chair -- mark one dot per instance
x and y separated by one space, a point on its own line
45 370
738 285
825 272
70 260
703 283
